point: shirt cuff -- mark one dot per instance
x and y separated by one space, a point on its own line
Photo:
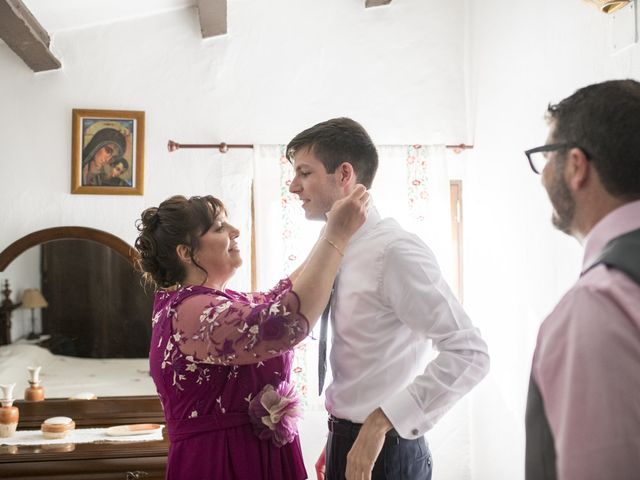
406 415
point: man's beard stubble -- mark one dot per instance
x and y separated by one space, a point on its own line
564 206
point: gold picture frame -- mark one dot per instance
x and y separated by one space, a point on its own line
107 152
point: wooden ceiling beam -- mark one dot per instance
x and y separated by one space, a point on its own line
213 17
376 3
25 36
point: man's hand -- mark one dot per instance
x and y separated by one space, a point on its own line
320 465
362 456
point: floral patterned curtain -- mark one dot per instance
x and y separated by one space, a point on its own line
428 201
295 249
417 181
283 239
412 186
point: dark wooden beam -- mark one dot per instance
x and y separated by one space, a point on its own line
25 36
376 3
213 17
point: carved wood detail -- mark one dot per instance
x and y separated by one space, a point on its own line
59 233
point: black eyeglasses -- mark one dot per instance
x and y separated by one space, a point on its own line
538 157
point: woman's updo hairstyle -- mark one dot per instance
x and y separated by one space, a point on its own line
176 221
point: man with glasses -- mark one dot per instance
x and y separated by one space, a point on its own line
583 407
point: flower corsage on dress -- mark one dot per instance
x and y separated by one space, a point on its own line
274 413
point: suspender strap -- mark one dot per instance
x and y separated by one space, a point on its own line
622 253
540 453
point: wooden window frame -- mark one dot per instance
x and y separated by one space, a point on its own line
455 190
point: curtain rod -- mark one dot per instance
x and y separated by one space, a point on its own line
459 148
224 147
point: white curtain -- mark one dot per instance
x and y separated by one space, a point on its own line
412 185
236 168
283 239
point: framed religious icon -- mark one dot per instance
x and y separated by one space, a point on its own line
107 152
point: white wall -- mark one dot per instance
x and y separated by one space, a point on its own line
523 55
281 68
285 65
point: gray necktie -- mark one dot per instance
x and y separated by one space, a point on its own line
322 347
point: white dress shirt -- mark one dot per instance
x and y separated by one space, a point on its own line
390 307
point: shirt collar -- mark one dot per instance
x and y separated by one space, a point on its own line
622 220
373 217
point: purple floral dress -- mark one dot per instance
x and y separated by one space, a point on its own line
213 355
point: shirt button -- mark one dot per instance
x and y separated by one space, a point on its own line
414 431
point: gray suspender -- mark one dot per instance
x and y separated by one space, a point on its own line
622 253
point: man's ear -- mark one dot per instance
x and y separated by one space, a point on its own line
578 169
345 174
184 253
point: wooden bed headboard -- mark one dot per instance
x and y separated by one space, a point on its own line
33 239
98 307
10 253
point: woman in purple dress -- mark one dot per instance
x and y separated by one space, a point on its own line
221 359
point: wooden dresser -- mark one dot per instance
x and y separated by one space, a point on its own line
86 461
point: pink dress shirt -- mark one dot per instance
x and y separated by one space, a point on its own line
587 365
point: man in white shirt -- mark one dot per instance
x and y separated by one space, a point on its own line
390 304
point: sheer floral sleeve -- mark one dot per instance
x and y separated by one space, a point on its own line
233 329
262 297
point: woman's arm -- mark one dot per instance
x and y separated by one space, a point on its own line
260 297
293 276
296 273
216 329
313 283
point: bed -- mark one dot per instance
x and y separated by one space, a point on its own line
62 376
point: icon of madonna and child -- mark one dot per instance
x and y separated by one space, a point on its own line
107 153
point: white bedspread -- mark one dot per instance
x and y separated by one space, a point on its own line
63 376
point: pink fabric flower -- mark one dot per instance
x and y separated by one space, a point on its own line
274 413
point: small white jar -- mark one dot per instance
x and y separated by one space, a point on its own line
57 427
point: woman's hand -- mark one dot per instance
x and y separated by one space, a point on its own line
313 283
346 216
